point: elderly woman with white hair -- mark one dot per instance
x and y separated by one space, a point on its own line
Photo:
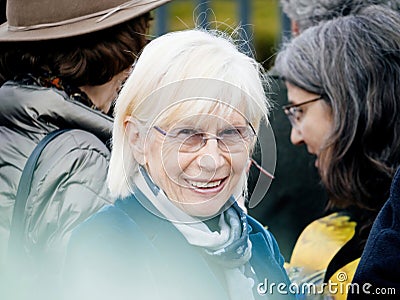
185 126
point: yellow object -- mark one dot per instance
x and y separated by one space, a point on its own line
342 279
319 242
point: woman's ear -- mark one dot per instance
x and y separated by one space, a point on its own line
248 165
134 138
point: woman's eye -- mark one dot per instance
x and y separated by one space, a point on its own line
185 132
188 131
235 131
230 132
297 112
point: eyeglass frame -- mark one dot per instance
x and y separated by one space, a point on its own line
253 161
205 139
290 115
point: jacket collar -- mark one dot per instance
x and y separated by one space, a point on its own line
40 110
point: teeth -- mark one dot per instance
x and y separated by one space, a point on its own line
205 184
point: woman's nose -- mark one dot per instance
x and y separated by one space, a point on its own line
296 136
210 157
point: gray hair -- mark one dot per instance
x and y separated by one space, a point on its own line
308 13
354 62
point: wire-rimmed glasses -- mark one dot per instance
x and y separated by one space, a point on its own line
232 139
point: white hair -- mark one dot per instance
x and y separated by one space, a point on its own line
190 64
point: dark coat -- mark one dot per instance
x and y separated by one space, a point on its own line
380 262
126 252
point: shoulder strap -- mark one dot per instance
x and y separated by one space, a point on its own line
16 230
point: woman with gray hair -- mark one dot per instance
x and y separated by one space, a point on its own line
281 201
306 13
185 127
343 80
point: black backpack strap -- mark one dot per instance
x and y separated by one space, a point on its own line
15 244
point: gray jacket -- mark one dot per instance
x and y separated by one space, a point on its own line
69 180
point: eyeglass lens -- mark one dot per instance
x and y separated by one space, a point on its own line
294 112
234 139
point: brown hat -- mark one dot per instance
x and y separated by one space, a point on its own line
34 20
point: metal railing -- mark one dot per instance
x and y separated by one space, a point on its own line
244 13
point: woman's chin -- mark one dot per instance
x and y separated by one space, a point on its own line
205 209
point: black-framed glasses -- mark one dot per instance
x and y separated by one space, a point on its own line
232 139
294 111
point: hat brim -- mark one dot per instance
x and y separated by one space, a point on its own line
78 28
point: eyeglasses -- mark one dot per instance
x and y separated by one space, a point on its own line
189 140
234 139
262 170
294 111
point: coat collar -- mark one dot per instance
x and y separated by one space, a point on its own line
173 247
40 110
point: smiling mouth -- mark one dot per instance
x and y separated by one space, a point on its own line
205 185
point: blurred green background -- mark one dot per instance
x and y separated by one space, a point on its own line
264 22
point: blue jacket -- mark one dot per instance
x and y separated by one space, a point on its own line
379 266
126 250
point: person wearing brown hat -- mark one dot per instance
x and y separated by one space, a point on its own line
61 65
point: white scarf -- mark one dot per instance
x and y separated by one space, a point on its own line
198 234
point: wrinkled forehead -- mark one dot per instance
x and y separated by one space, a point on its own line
202 114
200 100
